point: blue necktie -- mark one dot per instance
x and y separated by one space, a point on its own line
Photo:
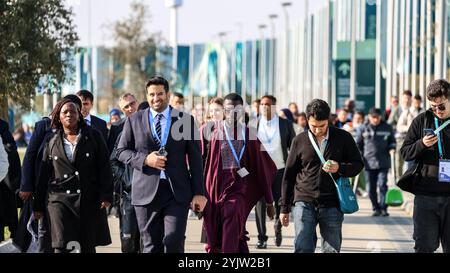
88 122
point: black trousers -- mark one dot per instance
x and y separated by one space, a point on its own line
260 208
162 223
129 232
431 223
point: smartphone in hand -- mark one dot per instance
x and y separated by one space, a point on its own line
428 132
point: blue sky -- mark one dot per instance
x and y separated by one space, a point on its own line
199 20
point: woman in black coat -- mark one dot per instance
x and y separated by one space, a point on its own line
75 183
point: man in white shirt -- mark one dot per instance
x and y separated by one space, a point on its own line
276 135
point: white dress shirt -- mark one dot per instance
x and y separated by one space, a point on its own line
269 135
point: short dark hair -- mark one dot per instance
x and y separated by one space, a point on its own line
158 80
302 114
361 113
56 122
86 94
178 95
318 109
375 112
143 105
407 92
438 88
234 97
417 97
270 97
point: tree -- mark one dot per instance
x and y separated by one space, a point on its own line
135 52
37 40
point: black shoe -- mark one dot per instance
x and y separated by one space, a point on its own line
261 244
278 238
384 213
376 213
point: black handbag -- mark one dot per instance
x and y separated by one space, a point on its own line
413 175
410 178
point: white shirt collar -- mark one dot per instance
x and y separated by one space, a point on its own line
88 117
165 113
272 121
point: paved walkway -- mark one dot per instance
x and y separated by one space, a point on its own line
362 233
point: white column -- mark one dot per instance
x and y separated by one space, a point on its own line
395 47
429 42
378 58
402 46
415 44
353 52
422 41
440 40
390 51
407 74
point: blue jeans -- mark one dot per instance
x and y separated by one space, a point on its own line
377 178
306 218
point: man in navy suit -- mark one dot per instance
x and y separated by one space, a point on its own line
156 143
87 100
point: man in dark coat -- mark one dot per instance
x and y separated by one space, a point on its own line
276 135
156 142
309 185
376 141
99 124
123 175
9 185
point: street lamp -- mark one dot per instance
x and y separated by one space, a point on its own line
173 5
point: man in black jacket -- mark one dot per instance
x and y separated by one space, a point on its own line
128 105
376 141
122 176
432 201
87 99
308 185
276 135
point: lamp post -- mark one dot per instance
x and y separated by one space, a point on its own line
173 5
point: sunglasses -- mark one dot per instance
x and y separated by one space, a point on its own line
440 107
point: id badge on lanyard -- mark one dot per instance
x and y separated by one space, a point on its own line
444 164
444 170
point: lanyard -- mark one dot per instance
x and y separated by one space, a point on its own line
238 159
438 133
165 136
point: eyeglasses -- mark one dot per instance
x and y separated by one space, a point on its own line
131 104
441 107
